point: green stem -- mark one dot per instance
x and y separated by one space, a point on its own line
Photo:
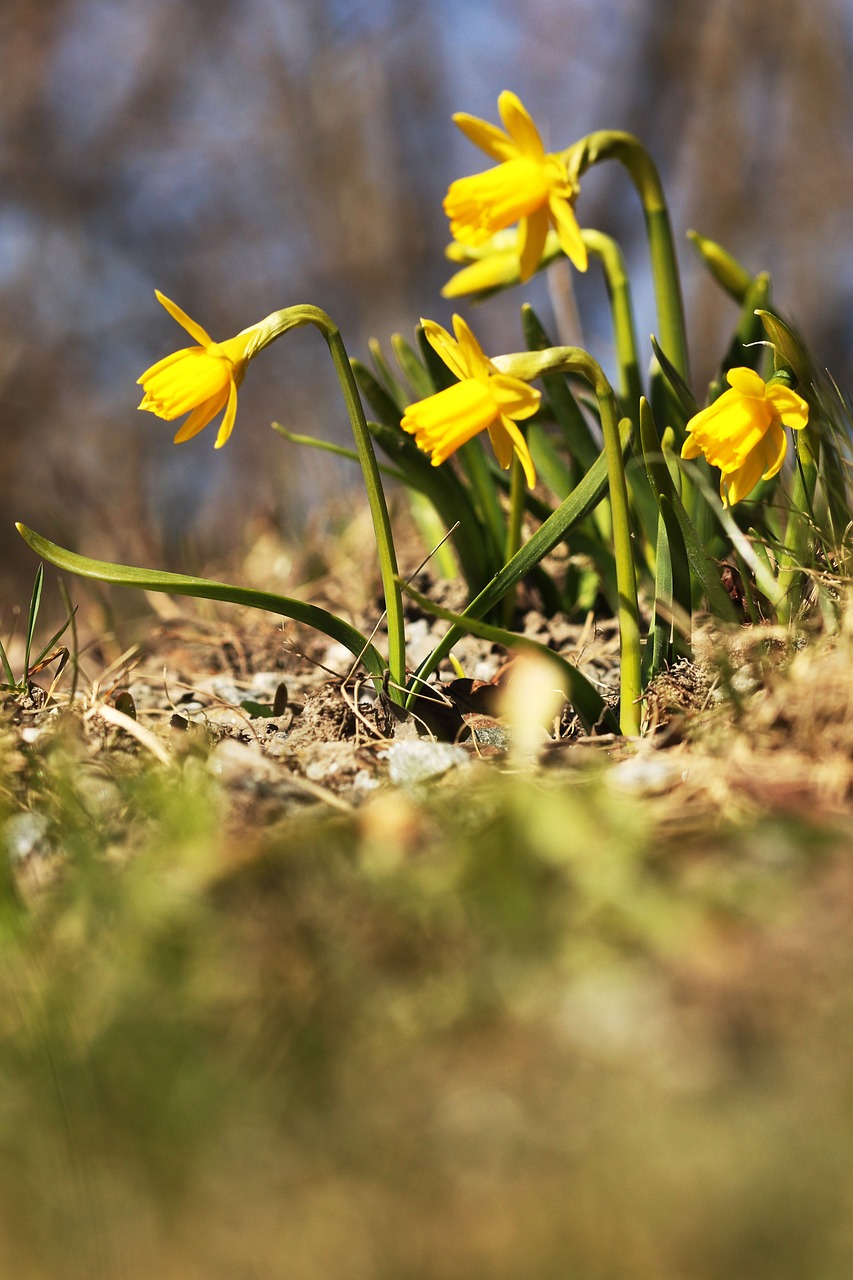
608 253
475 464
293 318
517 494
799 526
530 365
609 144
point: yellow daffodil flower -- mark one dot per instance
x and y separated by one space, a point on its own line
529 186
742 432
484 399
493 264
203 379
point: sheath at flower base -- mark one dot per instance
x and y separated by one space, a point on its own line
529 186
482 400
743 431
202 380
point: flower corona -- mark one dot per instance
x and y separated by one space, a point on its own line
529 186
742 432
484 399
200 380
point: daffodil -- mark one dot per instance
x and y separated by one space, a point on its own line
743 431
529 186
201 380
493 264
484 399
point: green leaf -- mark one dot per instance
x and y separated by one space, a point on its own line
726 270
57 635
35 601
10 677
788 347
392 384
182 585
676 382
447 494
407 359
257 710
564 406
570 512
684 542
584 697
377 397
328 446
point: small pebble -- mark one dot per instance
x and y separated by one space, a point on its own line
410 763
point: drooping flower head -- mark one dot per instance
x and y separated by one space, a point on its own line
529 186
743 431
484 399
201 380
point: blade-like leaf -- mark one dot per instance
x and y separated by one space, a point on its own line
579 503
392 384
7 670
376 395
563 404
411 366
675 380
328 446
447 494
57 635
183 585
584 697
35 601
681 533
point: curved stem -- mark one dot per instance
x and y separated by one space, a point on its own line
610 144
517 494
530 365
293 318
608 253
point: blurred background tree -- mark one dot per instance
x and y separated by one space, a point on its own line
243 155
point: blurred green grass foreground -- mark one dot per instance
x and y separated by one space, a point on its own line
520 1025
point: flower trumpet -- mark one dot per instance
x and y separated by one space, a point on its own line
201 380
484 399
529 186
742 432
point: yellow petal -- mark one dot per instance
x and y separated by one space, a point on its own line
487 273
690 449
746 381
487 202
775 446
533 234
164 364
521 449
488 137
501 443
445 347
227 425
472 355
787 405
195 330
513 397
442 422
571 241
200 417
519 125
739 484
185 385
